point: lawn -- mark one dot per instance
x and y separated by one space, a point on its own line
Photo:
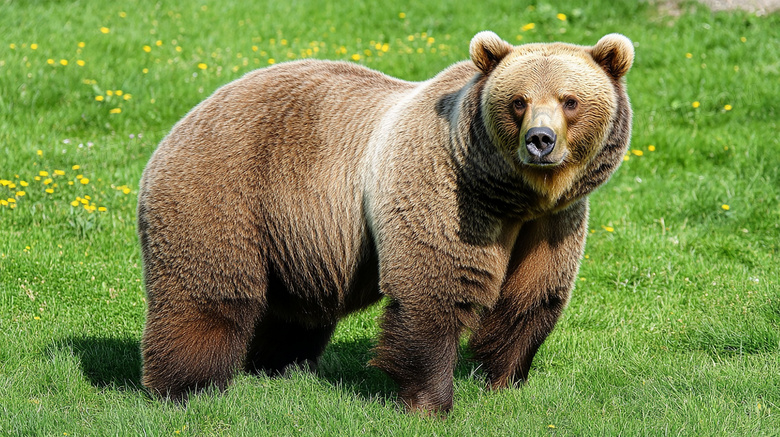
673 327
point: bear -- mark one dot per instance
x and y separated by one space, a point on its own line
311 189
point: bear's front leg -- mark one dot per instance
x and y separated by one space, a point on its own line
418 349
541 274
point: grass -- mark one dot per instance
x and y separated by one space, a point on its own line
674 326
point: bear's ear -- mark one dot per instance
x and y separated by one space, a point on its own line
487 49
615 54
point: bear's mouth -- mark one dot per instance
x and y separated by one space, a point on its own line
543 162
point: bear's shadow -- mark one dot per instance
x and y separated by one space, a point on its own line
116 363
107 362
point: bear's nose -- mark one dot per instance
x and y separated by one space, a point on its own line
540 141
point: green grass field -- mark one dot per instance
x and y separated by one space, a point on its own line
673 328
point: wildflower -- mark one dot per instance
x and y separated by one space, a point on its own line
12 46
158 43
34 46
651 148
43 173
59 172
637 152
561 17
50 61
109 93
84 181
147 49
20 193
80 63
551 426
689 55
102 209
115 111
528 27
118 92
727 107
23 183
743 39
402 15
128 96
725 207
696 104
75 203
3 202
104 29
203 66
81 45
145 71
47 181
271 61
4 182
39 152
50 190
356 57
123 14
75 167
609 228
11 185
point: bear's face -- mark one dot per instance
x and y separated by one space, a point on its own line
550 107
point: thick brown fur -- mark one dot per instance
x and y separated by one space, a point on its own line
308 190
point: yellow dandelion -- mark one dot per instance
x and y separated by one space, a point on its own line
145 71
75 167
727 107
87 197
609 228
696 104
81 63
725 207
118 92
39 152
50 61
356 57
84 181
410 38
102 209
23 183
651 148
109 93
430 40
83 201
203 66
81 45
527 27
626 157
551 426
689 55
34 46
123 14
11 200
104 29
561 17
43 173
47 181
3 202
99 98
178 49
37 318
402 15
12 46
128 96
59 172
20 193
637 152
4 182
147 49
11 185
158 43
743 39
50 190
115 111
75 203
126 190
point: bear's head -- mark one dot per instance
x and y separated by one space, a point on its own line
552 107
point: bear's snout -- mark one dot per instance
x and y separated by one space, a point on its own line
540 141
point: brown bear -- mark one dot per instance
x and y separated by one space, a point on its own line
308 190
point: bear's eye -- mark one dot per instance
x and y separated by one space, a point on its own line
519 105
570 104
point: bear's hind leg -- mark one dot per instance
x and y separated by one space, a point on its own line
279 344
189 346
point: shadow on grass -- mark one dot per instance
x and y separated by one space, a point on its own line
107 362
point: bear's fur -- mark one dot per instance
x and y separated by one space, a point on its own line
308 190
